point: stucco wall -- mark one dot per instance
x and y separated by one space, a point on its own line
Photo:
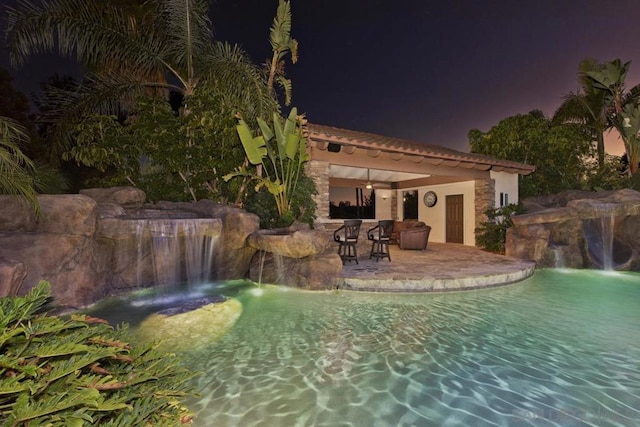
506 183
435 216
383 204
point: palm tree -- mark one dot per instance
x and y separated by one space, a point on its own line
586 106
622 107
15 168
159 46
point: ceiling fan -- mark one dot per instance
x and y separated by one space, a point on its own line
369 185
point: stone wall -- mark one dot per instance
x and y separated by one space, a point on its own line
319 172
485 193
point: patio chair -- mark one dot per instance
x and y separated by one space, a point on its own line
380 236
347 238
414 238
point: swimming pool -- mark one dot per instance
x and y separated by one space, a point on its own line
559 349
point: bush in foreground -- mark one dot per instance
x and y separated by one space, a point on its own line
79 371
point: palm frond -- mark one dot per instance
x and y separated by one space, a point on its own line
15 167
189 31
106 93
230 70
96 33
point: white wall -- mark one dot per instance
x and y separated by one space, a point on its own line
383 204
435 216
506 183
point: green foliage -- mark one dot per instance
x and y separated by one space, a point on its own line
80 371
280 153
153 50
622 107
559 152
303 206
587 107
492 234
170 156
281 44
16 169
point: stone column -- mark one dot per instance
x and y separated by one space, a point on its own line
485 195
319 172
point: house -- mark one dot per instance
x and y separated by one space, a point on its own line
447 189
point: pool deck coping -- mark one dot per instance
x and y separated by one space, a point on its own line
441 267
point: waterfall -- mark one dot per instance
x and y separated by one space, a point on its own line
599 235
558 256
198 250
180 250
165 251
607 224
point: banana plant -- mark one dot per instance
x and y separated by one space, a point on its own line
279 153
281 44
629 128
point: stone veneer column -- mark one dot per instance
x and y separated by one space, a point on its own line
485 193
394 204
319 172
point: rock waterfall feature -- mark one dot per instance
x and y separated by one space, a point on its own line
579 229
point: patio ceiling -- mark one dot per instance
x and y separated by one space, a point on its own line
354 176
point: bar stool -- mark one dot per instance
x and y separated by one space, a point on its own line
347 238
380 236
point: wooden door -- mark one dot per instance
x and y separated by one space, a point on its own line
454 208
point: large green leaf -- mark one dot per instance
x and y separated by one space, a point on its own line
281 141
254 147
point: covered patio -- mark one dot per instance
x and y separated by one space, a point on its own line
448 189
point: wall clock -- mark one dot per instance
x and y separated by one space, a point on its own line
430 199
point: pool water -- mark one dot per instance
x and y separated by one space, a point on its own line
559 349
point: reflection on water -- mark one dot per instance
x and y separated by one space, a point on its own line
560 349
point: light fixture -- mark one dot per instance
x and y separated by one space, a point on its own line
368 186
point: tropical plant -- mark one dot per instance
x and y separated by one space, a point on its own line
623 109
587 106
80 371
280 153
16 169
281 44
492 234
160 47
561 153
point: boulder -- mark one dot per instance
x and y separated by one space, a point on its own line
192 329
71 264
12 274
318 272
60 214
296 244
123 196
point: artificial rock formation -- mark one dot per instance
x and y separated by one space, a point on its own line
579 229
294 257
97 243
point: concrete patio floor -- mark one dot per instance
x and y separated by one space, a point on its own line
442 267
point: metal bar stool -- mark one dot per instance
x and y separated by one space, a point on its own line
347 238
380 236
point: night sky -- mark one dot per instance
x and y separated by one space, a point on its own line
425 70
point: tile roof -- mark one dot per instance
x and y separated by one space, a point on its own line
372 141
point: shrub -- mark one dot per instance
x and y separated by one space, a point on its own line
79 371
492 234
